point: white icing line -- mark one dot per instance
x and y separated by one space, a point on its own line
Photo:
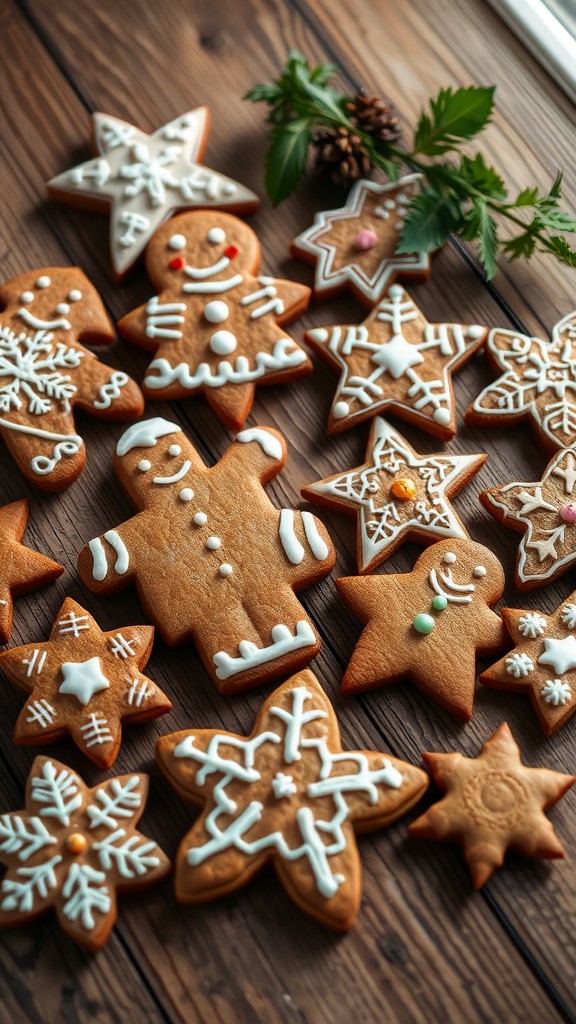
47 325
288 539
177 476
318 547
269 444
99 563
251 656
123 559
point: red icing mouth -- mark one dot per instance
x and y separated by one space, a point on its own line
231 252
177 263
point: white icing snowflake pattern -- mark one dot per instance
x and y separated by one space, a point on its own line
532 625
556 692
519 665
32 366
569 615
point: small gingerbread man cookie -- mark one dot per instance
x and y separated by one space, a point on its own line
428 625
21 568
212 559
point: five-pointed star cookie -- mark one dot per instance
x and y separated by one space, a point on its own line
73 848
395 361
428 625
45 371
145 178
84 682
397 494
356 246
538 383
545 512
493 803
21 568
288 794
214 321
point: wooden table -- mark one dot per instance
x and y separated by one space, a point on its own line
425 946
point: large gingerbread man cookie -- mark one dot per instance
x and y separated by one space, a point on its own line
45 372
215 322
212 559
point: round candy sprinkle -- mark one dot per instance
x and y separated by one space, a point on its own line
366 240
568 512
423 623
76 843
439 603
404 489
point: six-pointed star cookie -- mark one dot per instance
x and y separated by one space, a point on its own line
428 625
215 322
396 362
287 794
543 662
45 371
545 512
73 848
145 178
539 383
493 803
397 494
21 568
356 246
84 682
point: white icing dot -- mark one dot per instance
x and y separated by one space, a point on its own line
225 569
396 291
223 343
340 410
174 450
213 543
474 331
75 295
177 242
200 518
63 308
389 204
480 570
27 297
216 235
449 558
144 466
399 224
186 494
43 282
216 312
318 334
402 198
229 188
442 416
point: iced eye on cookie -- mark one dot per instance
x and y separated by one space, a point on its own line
216 236
144 465
174 450
177 242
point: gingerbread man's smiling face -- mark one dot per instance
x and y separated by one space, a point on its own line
156 460
56 299
200 247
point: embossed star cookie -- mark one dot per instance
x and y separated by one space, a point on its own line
396 362
356 246
397 495
85 683
286 794
73 848
142 179
538 384
212 559
428 625
545 512
21 568
45 372
493 803
215 322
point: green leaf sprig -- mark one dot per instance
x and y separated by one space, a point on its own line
464 196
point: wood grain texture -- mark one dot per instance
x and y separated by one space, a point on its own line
424 945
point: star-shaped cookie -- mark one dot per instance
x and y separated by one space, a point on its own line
545 512
85 683
397 495
428 625
396 362
356 246
144 178
538 383
73 848
21 568
215 322
288 794
493 803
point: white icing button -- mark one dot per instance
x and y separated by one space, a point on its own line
401 198
474 331
186 494
395 292
223 343
177 242
43 282
174 449
449 558
340 410
144 466
216 312
63 308
27 297
200 518
480 570
442 416
225 569
318 334
389 204
213 543
216 235
75 295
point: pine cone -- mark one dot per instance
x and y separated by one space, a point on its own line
341 155
375 116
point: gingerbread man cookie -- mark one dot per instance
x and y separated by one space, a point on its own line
493 803
45 371
538 384
21 568
397 495
214 322
428 625
396 362
73 848
288 794
356 246
545 512
144 178
212 559
84 682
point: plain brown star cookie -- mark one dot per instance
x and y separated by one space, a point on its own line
21 568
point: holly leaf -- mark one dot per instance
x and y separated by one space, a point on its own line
266 92
432 215
528 197
477 173
520 247
487 239
286 159
560 248
454 117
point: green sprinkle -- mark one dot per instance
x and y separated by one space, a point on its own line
423 623
439 603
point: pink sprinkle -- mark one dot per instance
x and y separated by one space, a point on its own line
568 512
366 239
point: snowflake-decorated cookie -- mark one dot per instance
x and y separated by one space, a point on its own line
212 559
73 848
545 512
288 794
493 803
84 682
428 625
538 383
144 178
21 568
396 362
397 495
45 371
356 246
215 322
